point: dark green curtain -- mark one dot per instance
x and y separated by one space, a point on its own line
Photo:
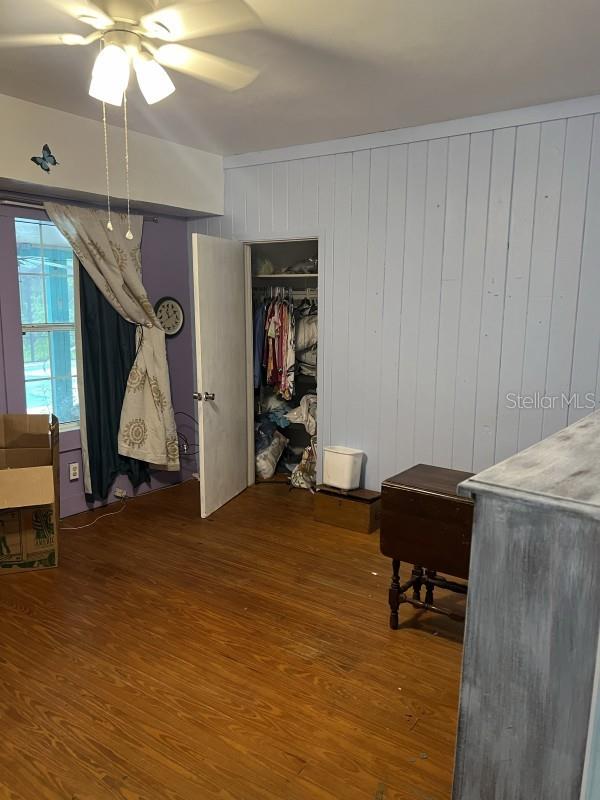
108 354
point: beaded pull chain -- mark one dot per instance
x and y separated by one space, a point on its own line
129 234
109 224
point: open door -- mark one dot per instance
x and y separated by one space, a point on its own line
221 369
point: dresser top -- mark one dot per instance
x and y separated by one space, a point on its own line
565 466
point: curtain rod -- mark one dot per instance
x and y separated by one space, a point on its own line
40 206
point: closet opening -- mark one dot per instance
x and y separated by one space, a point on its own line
283 305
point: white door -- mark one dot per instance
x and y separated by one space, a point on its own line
221 369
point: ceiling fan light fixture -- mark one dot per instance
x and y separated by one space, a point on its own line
110 75
154 81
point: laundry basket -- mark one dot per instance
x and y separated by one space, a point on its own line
341 467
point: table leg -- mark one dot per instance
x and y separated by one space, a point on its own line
417 576
431 573
394 594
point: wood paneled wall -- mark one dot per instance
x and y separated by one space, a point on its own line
455 270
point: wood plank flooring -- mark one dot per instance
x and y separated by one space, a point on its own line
242 657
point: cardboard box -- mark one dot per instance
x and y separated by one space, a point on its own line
29 492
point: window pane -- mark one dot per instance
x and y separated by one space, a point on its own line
28 232
38 395
45 263
33 308
70 284
31 262
52 237
59 294
65 399
51 374
36 355
62 354
58 261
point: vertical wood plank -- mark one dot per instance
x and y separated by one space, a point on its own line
310 194
587 331
227 223
280 196
213 226
198 225
378 199
340 297
355 324
411 299
492 307
295 191
429 312
517 288
238 203
480 155
566 274
326 291
543 255
265 198
392 310
450 306
252 199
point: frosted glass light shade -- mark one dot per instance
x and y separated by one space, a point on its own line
154 81
110 75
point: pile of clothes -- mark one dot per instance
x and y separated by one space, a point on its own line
264 266
275 346
306 413
273 447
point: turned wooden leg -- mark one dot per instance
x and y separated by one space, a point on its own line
431 573
394 594
417 576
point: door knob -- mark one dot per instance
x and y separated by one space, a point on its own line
199 396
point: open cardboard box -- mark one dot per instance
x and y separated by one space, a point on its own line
29 492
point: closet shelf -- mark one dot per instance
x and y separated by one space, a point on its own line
281 275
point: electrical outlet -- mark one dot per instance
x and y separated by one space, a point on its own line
74 471
121 494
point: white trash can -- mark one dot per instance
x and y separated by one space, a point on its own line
341 467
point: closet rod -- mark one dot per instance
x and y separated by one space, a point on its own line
40 206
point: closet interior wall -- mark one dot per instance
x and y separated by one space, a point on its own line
288 271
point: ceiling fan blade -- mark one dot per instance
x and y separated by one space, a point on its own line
45 39
205 67
84 11
189 20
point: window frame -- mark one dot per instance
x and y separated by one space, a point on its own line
49 327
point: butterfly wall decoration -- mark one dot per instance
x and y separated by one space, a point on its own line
46 160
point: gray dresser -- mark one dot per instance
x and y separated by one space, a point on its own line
533 615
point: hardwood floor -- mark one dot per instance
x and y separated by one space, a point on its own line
240 657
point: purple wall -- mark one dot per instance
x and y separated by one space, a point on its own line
165 272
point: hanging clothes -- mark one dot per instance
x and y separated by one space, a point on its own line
274 340
259 342
307 338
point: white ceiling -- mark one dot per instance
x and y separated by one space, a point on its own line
334 68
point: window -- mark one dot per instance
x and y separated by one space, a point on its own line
46 286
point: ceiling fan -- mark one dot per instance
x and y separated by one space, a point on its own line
149 41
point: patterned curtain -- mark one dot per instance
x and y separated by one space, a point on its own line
147 427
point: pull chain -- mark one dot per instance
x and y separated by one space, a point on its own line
129 234
109 224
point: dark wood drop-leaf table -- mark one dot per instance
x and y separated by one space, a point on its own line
425 523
